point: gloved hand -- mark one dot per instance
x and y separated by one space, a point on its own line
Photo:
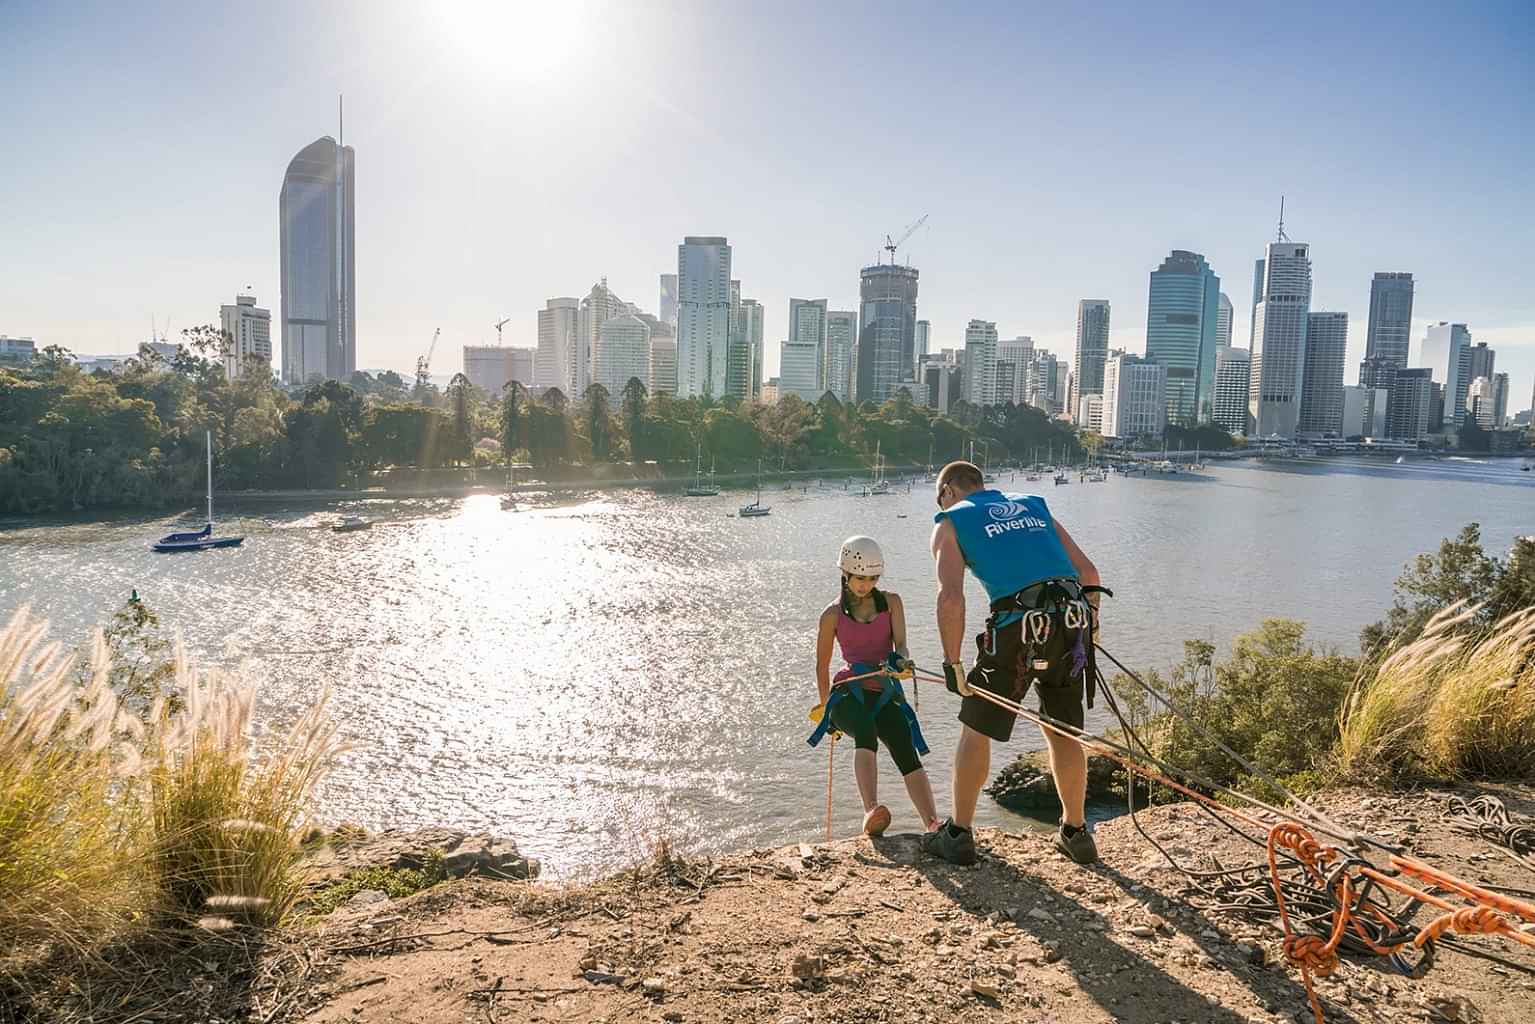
954 678
900 665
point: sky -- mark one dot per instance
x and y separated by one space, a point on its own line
511 152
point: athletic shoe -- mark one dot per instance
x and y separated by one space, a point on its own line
877 820
954 844
1076 843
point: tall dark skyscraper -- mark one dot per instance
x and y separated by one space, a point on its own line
1390 318
316 238
1182 312
1321 402
1092 349
887 334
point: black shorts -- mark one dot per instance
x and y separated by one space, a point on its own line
999 670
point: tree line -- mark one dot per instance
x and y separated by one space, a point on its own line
71 440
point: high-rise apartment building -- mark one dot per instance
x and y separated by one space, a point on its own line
1487 401
807 325
924 338
703 315
559 328
1482 361
1232 370
1012 379
248 335
1321 400
316 242
1412 404
1223 322
797 370
1134 396
1090 413
841 337
1092 348
663 362
598 307
1181 315
1279 339
738 349
519 363
668 307
940 385
1447 352
887 330
749 318
1356 411
981 363
622 352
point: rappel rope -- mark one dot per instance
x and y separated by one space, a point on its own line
1350 917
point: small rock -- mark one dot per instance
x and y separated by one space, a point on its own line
811 916
603 978
807 968
366 898
672 1016
1141 931
588 963
983 990
1041 915
1050 954
1007 971
653 987
1210 933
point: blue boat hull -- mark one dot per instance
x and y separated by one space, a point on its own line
200 544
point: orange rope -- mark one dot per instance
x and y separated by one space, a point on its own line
831 767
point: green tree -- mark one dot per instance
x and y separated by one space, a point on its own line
633 406
511 418
458 400
599 423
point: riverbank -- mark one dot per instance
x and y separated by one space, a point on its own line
854 930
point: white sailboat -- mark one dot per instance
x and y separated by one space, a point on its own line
880 484
756 508
700 489
204 538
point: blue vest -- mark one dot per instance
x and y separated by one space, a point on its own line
1009 541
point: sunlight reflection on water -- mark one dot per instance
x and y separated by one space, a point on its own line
593 670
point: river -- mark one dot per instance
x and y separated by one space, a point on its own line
603 668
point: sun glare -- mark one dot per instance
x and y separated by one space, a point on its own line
524 40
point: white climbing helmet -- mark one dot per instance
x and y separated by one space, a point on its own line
861 556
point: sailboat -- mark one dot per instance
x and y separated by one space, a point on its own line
880 485
756 508
699 488
204 538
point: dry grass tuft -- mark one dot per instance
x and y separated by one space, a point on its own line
1448 705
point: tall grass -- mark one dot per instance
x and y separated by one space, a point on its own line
1449 705
109 817
62 836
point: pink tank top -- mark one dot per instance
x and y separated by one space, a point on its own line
868 642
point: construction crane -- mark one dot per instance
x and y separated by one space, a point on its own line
891 244
500 324
424 364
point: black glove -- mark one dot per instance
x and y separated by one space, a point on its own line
954 678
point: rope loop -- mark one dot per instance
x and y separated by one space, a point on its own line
1467 921
1311 952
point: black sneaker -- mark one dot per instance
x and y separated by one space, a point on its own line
1076 843
954 844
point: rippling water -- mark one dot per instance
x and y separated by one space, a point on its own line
601 668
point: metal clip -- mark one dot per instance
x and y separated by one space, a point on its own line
1040 665
1036 626
1076 615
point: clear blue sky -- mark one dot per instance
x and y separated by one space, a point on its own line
507 153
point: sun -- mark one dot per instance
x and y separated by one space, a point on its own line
521 40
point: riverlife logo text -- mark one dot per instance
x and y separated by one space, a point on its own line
1011 516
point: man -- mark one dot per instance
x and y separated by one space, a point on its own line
1040 585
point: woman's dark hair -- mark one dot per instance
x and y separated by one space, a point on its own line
880 604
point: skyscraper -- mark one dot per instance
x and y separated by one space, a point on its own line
923 340
1447 352
316 241
841 334
1483 361
807 326
663 361
668 307
1412 397
1223 322
599 306
703 314
559 324
1232 369
797 370
1018 354
1181 334
887 329
1092 348
1321 402
1390 331
738 349
981 363
1279 339
487 367
250 335
750 318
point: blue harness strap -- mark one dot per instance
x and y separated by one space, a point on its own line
890 689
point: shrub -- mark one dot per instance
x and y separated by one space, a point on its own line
1449 705
392 882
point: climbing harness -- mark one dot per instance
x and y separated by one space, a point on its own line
890 675
1325 897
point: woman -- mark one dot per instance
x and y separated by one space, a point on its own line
869 625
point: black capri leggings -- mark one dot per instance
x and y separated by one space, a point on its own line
867 729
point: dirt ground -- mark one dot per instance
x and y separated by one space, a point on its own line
876 931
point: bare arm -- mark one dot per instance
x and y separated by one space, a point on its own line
951 590
823 641
898 624
1087 572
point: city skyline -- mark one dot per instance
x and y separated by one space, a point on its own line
461 244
